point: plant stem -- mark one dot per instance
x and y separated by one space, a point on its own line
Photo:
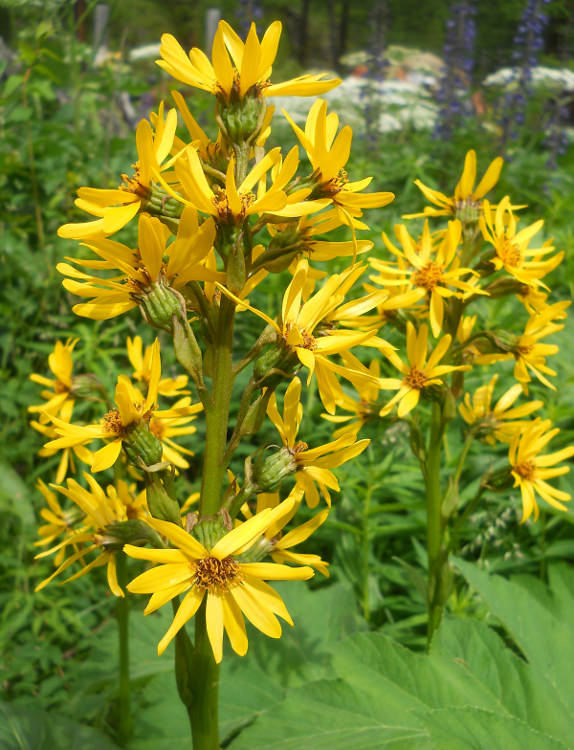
365 554
470 508
125 723
217 416
465 448
204 688
434 517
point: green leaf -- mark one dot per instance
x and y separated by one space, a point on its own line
474 729
24 728
547 641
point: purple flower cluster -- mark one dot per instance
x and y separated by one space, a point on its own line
376 64
458 56
528 42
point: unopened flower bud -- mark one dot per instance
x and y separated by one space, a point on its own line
210 530
500 481
160 504
495 342
504 287
87 387
450 500
448 407
284 247
168 210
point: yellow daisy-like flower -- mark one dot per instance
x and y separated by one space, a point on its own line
60 399
141 362
232 204
499 423
418 374
273 543
116 208
511 247
101 510
67 457
232 588
363 409
431 275
132 407
530 469
310 330
466 203
529 353
311 465
140 269
135 502
328 156
251 65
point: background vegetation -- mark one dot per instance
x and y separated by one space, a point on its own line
64 123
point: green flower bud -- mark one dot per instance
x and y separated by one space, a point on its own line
235 269
160 504
449 500
417 441
448 407
87 387
500 481
495 342
504 287
284 247
168 210
269 473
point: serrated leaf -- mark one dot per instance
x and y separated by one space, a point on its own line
475 729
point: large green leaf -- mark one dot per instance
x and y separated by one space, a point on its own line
25 728
544 637
14 495
469 687
474 729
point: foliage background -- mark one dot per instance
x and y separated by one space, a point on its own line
62 126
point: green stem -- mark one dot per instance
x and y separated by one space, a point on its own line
365 554
204 688
125 723
465 448
217 415
434 516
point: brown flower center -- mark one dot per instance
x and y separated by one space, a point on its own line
428 277
216 576
308 339
112 422
415 378
510 254
526 470
133 184
221 203
299 447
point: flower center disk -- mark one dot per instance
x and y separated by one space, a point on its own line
526 470
216 576
428 277
415 379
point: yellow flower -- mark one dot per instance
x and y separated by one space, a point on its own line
59 521
273 543
166 428
466 203
418 374
60 399
530 469
309 331
251 66
232 204
530 355
495 421
328 156
511 248
363 409
433 276
101 510
141 362
67 458
136 503
307 227
153 149
233 589
311 465
140 269
132 407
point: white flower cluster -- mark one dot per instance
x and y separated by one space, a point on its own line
558 80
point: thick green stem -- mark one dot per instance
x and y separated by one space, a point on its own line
125 720
204 688
434 518
217 415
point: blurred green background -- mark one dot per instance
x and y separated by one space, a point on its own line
419 89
